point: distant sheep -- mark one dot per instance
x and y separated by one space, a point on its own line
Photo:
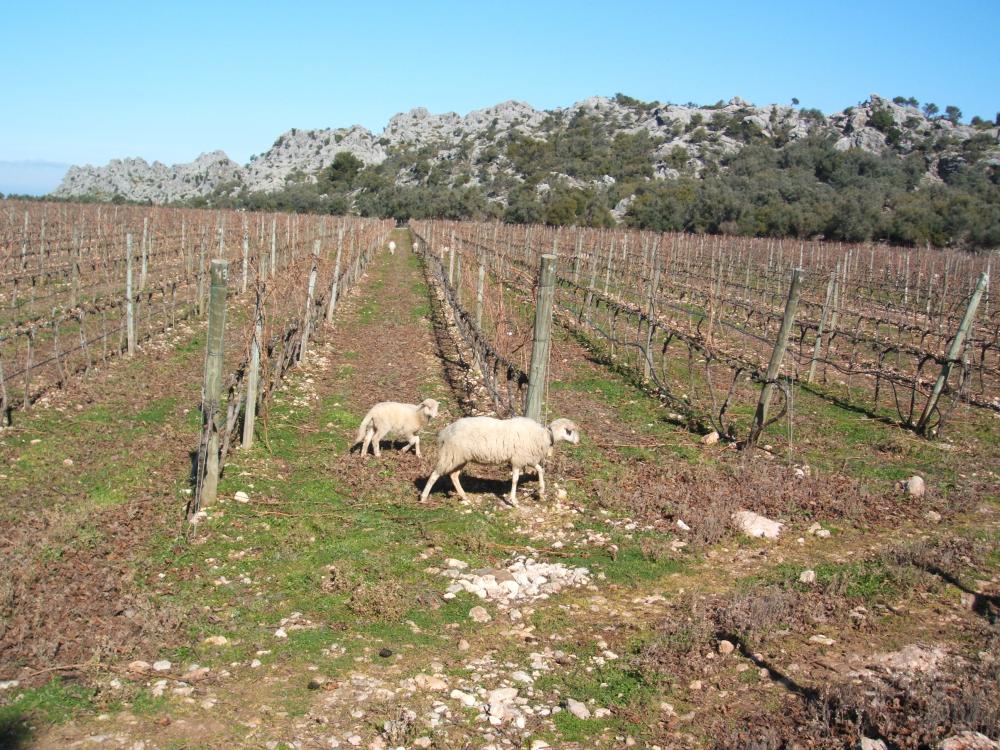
393 419
519 441
392 247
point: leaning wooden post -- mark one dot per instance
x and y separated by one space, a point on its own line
307 322
211 398
542 339
253 373
480 285
819 333
954 352
129 298
332 307
778 354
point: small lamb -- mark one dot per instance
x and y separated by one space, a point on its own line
519 441
393 419
392 247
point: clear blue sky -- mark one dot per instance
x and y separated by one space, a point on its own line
87 82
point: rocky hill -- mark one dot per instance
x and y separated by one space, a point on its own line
881 170
706 134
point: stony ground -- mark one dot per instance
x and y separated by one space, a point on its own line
319 605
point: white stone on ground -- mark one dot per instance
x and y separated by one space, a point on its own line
522 580
756 525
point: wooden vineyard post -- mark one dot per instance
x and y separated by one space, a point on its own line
778 354
201 278
145 253
208 454
954 352
274 246
253 374
246 258
480 284
647 367
451 260
819 333
576 256
74 267
332 307
542 338
307 321
129 299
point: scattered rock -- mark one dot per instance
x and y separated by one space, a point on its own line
242 497
933 516
756 525
480 615
578 709
216 640
8 684
968 741
711 438
867 743
726 647
316 682
913 658
807 576
521 580
695 685
429 682
462 697
463 645
161 666
385 653
602 713
823 640
139 667
914 486
540 745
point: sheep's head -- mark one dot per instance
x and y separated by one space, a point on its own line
564 429
429 407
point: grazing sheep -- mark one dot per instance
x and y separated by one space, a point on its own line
519 441
391 418
392 247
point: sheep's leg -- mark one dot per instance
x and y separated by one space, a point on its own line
458 485
541 479
409 444
515 474
376 439
416 445
427 487
368 440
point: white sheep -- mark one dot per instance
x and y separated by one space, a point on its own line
518 441
391 418
392 247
